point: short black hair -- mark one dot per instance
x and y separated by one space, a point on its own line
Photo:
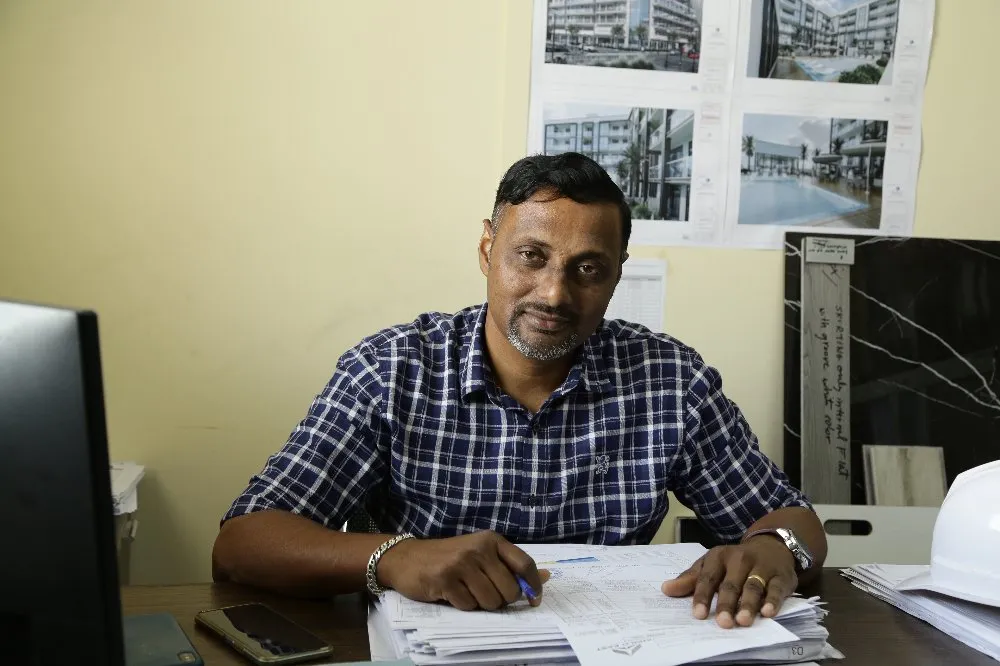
570 175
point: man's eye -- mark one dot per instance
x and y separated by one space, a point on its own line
529 255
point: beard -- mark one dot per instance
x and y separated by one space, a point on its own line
542 350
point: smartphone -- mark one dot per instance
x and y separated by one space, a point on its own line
157 640
262 634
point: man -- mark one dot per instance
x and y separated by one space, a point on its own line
529 418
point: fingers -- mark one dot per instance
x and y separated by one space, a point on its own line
750 600
712 572
684 584
458 595
746 582
764 599
484 589
503 580
480 570
737 566
778 589
519 563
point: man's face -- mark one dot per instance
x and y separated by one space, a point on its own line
551 270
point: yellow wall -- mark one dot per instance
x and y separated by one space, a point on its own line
244 189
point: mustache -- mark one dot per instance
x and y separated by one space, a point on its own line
547 310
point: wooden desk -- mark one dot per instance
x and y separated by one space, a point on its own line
868 631
340 622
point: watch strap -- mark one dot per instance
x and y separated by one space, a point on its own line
803 559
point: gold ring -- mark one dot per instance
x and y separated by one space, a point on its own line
759 579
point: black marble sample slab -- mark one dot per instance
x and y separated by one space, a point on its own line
925 349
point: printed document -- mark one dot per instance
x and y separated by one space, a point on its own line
602 606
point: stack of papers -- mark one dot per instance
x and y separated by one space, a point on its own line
125 477
602 606
976 625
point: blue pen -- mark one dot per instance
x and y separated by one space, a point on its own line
528 592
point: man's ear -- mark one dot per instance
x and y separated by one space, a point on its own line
485 244
620 264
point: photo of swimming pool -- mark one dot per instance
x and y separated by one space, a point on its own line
827 41
791 202
830 69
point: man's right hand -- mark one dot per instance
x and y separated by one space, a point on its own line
470 571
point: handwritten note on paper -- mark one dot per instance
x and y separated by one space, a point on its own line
832 337
829 250
826 391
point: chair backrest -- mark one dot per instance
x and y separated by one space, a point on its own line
855 534
862 534
360 521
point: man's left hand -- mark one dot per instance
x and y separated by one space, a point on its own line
751 578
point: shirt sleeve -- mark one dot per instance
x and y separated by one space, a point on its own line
333 456
723 476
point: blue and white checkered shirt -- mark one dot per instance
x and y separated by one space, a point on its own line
414 427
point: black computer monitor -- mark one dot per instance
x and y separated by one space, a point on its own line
59 600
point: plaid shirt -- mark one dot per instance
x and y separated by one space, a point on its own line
414 427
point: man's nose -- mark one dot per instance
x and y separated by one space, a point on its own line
555 288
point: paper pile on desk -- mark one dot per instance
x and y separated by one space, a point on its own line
976 625
605 610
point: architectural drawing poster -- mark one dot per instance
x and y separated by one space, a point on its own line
730 122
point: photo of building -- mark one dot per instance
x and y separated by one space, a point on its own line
633 34
808 171
841 41
647 151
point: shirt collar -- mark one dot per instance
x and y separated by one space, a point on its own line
589 370
473 367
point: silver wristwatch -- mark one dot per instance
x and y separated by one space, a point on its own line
803 558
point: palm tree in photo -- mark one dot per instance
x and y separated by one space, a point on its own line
642 33
748 148
835 147
623 171
654 123
617 32
574 30
803 152
633 158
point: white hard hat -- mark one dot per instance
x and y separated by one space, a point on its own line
965 548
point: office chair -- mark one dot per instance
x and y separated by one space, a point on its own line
688 529
864 534
361 521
